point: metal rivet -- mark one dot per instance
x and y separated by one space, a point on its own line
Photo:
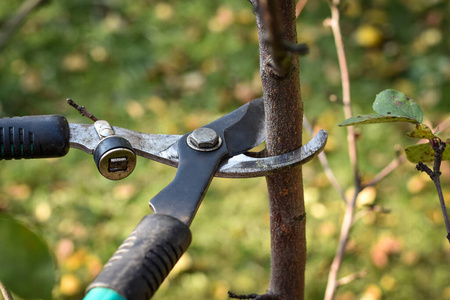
204 139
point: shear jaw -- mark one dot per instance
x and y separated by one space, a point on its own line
244 166
163 148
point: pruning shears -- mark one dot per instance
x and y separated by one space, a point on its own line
219 148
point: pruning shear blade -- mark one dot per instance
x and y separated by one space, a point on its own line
247 131
244 166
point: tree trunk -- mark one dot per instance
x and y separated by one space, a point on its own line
284 111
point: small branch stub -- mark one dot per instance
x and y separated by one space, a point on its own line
83 111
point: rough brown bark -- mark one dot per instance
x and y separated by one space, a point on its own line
284 111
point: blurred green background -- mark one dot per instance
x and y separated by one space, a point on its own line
170 67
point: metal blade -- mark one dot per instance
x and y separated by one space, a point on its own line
243 128
249 131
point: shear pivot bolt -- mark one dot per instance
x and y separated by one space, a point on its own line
204 139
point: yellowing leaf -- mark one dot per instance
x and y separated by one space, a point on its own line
421 152
421 131
424 153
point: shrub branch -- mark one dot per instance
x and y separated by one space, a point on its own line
435 175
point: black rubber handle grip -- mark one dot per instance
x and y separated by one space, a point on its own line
145 258
34 137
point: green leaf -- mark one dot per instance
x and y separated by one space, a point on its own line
421 131
375 118
395 103
26 264
424 153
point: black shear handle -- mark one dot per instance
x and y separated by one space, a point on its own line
34 137
145 258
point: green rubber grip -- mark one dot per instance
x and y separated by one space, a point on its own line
145 258
103 294
34 137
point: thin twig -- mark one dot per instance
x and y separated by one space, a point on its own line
386 171
6 294
347 223
435 174
299 7
352 277
345 80
399 160
370 208
83 111
443 125
325 165
351 138
14 23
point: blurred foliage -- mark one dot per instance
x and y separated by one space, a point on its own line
169 67
31 258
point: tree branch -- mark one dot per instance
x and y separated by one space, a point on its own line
14 23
